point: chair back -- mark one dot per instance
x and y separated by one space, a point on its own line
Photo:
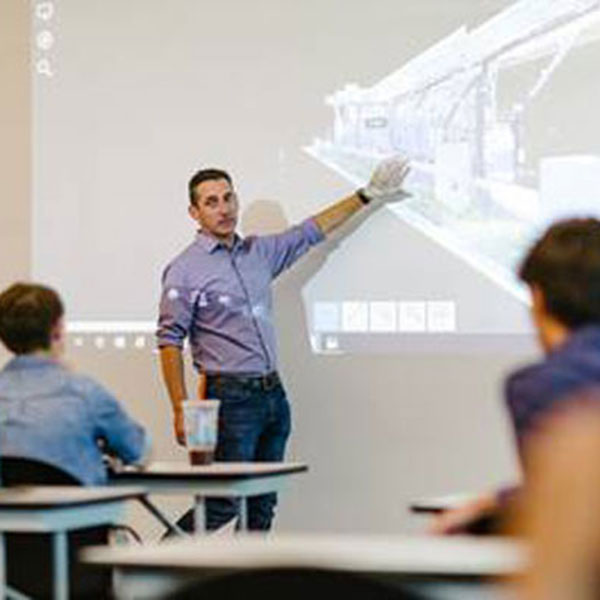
29 555
16 470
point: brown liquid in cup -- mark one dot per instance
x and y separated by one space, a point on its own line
201 457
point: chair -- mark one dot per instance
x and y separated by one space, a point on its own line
294 584
15 470
28 555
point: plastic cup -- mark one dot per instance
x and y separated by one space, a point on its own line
200 418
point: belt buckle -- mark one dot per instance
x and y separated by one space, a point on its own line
275 381
268 381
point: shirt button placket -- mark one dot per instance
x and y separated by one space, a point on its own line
252 316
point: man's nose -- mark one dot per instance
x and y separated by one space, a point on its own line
224 207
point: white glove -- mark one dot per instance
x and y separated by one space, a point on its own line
387 178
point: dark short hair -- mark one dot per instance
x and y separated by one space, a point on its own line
28 312
205 175
565 264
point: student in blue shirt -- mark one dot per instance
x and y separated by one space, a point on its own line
48 412
562 271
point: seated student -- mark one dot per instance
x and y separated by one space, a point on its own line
51 414
47 412
560 515
562 271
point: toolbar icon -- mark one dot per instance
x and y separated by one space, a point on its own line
43 67
44 11
44 40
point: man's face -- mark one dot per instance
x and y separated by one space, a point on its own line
216 208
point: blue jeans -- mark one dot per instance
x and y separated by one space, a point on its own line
254 425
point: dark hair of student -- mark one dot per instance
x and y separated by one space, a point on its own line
565 264
28 312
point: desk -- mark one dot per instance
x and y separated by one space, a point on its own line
158 569
217 479
58 510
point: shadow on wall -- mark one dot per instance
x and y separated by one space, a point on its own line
263 217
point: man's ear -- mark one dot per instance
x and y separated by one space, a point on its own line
538 300
552 332
193 212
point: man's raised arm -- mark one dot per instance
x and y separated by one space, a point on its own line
385 185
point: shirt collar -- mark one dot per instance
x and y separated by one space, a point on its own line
31 361
582 337
211 243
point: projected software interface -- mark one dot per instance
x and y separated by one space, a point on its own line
491 104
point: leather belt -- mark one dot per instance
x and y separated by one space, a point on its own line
252 382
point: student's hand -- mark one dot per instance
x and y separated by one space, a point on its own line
178 427
387 180
458 520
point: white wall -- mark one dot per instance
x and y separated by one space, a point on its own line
15 145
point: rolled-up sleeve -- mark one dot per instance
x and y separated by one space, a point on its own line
282 250
176 309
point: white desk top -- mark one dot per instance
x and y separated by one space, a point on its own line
43 497
216 470
411 555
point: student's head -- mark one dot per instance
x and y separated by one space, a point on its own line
31 319
562 270
213 202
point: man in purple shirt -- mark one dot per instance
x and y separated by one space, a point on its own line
217 294
562 271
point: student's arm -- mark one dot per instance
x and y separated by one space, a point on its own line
461 518
122 436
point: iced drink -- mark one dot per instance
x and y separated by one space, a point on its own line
201 420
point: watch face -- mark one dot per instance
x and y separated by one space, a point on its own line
363 197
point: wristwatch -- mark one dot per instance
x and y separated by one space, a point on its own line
360 192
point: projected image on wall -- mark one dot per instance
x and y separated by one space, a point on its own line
466 113
492 102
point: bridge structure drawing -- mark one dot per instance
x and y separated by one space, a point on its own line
459 111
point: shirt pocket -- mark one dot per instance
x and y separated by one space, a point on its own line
217 306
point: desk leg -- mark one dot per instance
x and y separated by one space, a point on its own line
154 511
3 586
243 514
5 590
60 559
199 524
